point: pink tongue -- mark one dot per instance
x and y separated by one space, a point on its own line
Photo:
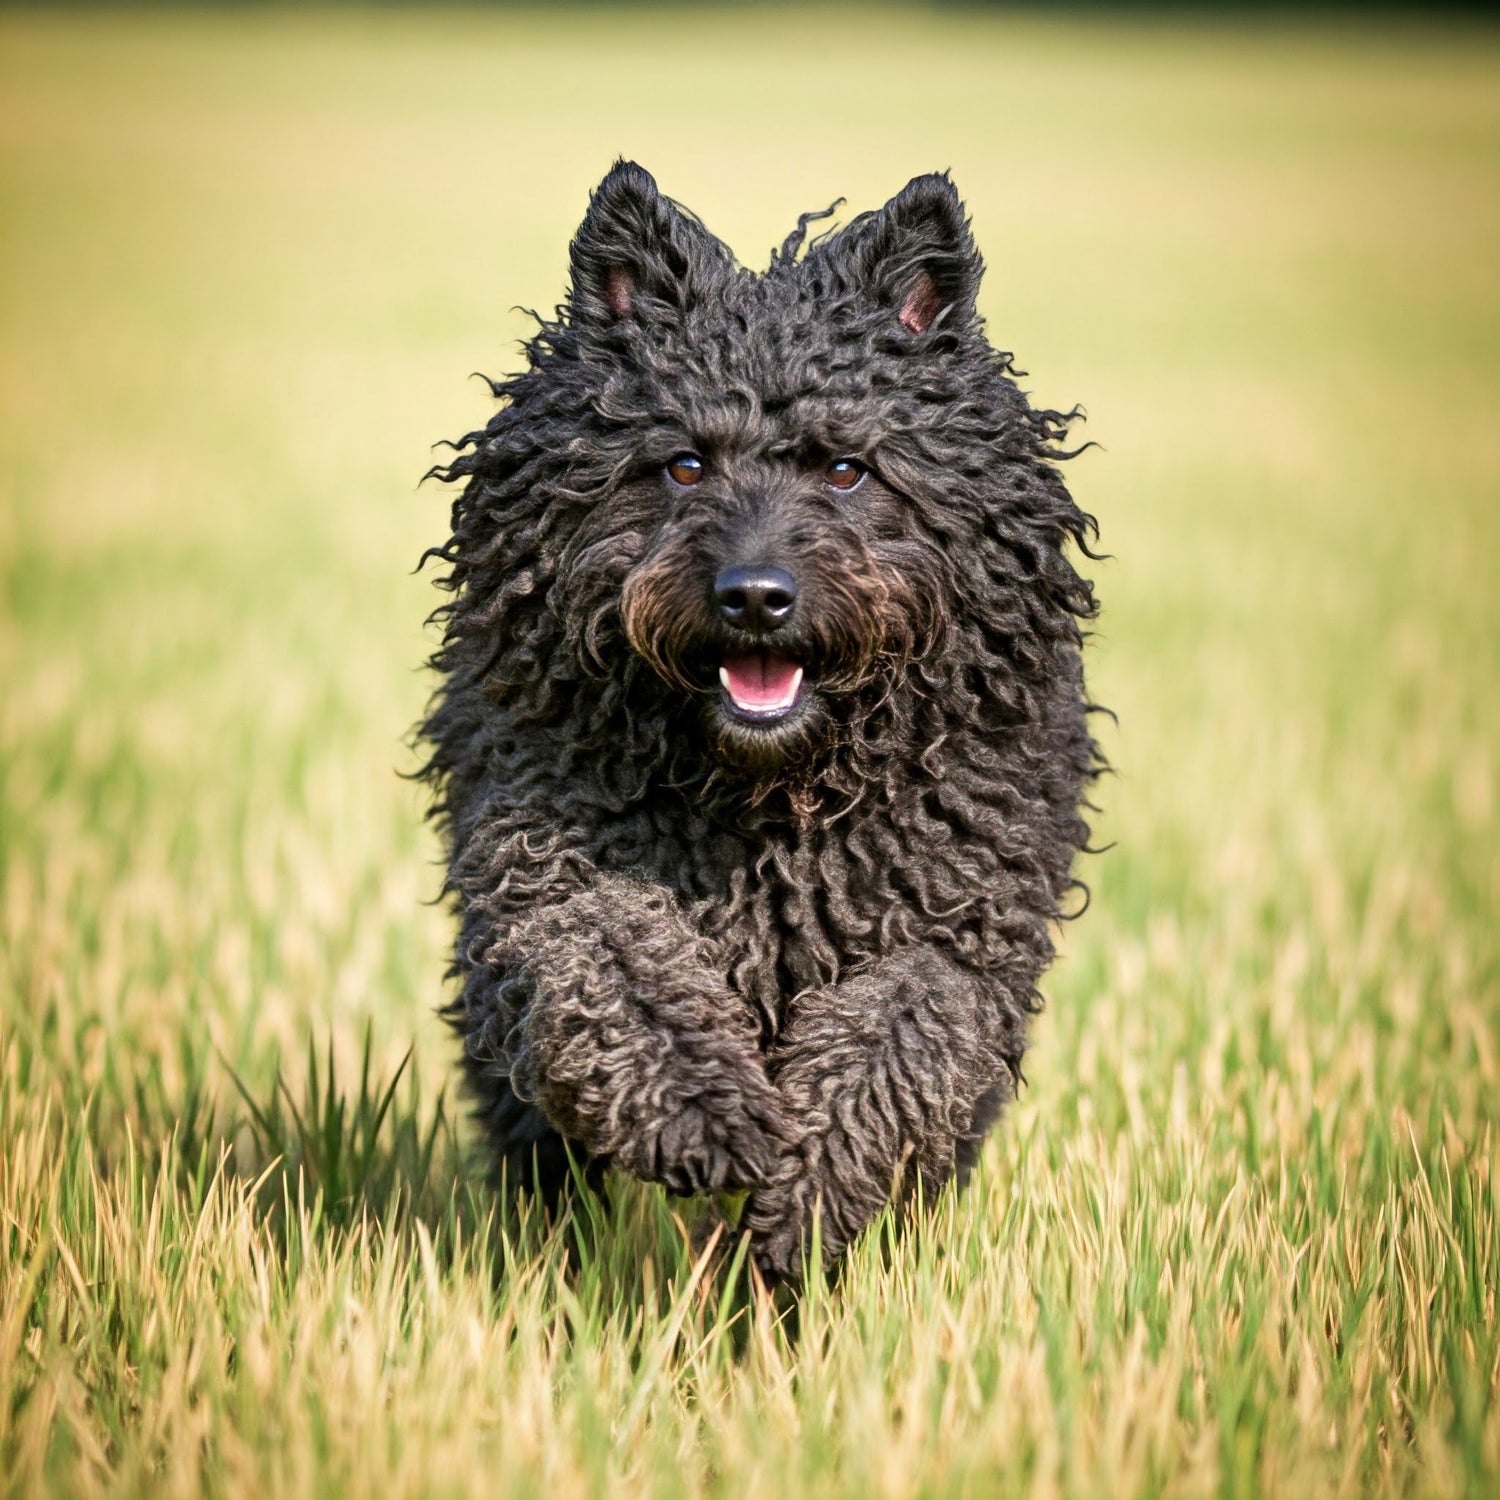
759 683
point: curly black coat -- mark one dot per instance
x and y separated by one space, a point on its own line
791 951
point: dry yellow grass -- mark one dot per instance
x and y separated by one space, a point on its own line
1240 1235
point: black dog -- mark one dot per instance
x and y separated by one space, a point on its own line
761 735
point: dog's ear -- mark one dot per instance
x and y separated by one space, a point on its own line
917 256
636 247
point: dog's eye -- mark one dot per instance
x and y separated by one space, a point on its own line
843 473
686 468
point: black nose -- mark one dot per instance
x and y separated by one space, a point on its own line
755 598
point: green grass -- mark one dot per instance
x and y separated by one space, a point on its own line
1240 1236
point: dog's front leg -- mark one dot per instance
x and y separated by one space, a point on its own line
894 1071
631 1043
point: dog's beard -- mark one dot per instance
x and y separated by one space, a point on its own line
864 610
766 749
770 705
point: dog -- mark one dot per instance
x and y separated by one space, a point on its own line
761 745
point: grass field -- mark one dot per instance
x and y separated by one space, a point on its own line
1240 1235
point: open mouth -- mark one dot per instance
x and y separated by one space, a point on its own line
761 685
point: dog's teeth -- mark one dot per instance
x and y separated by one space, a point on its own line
796 687
724 678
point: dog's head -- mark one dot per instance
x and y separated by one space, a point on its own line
784 501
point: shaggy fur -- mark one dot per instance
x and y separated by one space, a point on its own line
796 957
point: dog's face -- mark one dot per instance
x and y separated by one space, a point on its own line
778 507
778 588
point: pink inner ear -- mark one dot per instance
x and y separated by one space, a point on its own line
922 304
617 289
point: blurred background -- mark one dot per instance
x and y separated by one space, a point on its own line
251 256
1239 1236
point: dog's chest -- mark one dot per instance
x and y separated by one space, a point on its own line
791 915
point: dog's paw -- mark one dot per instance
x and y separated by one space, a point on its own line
779 1217
714 1142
